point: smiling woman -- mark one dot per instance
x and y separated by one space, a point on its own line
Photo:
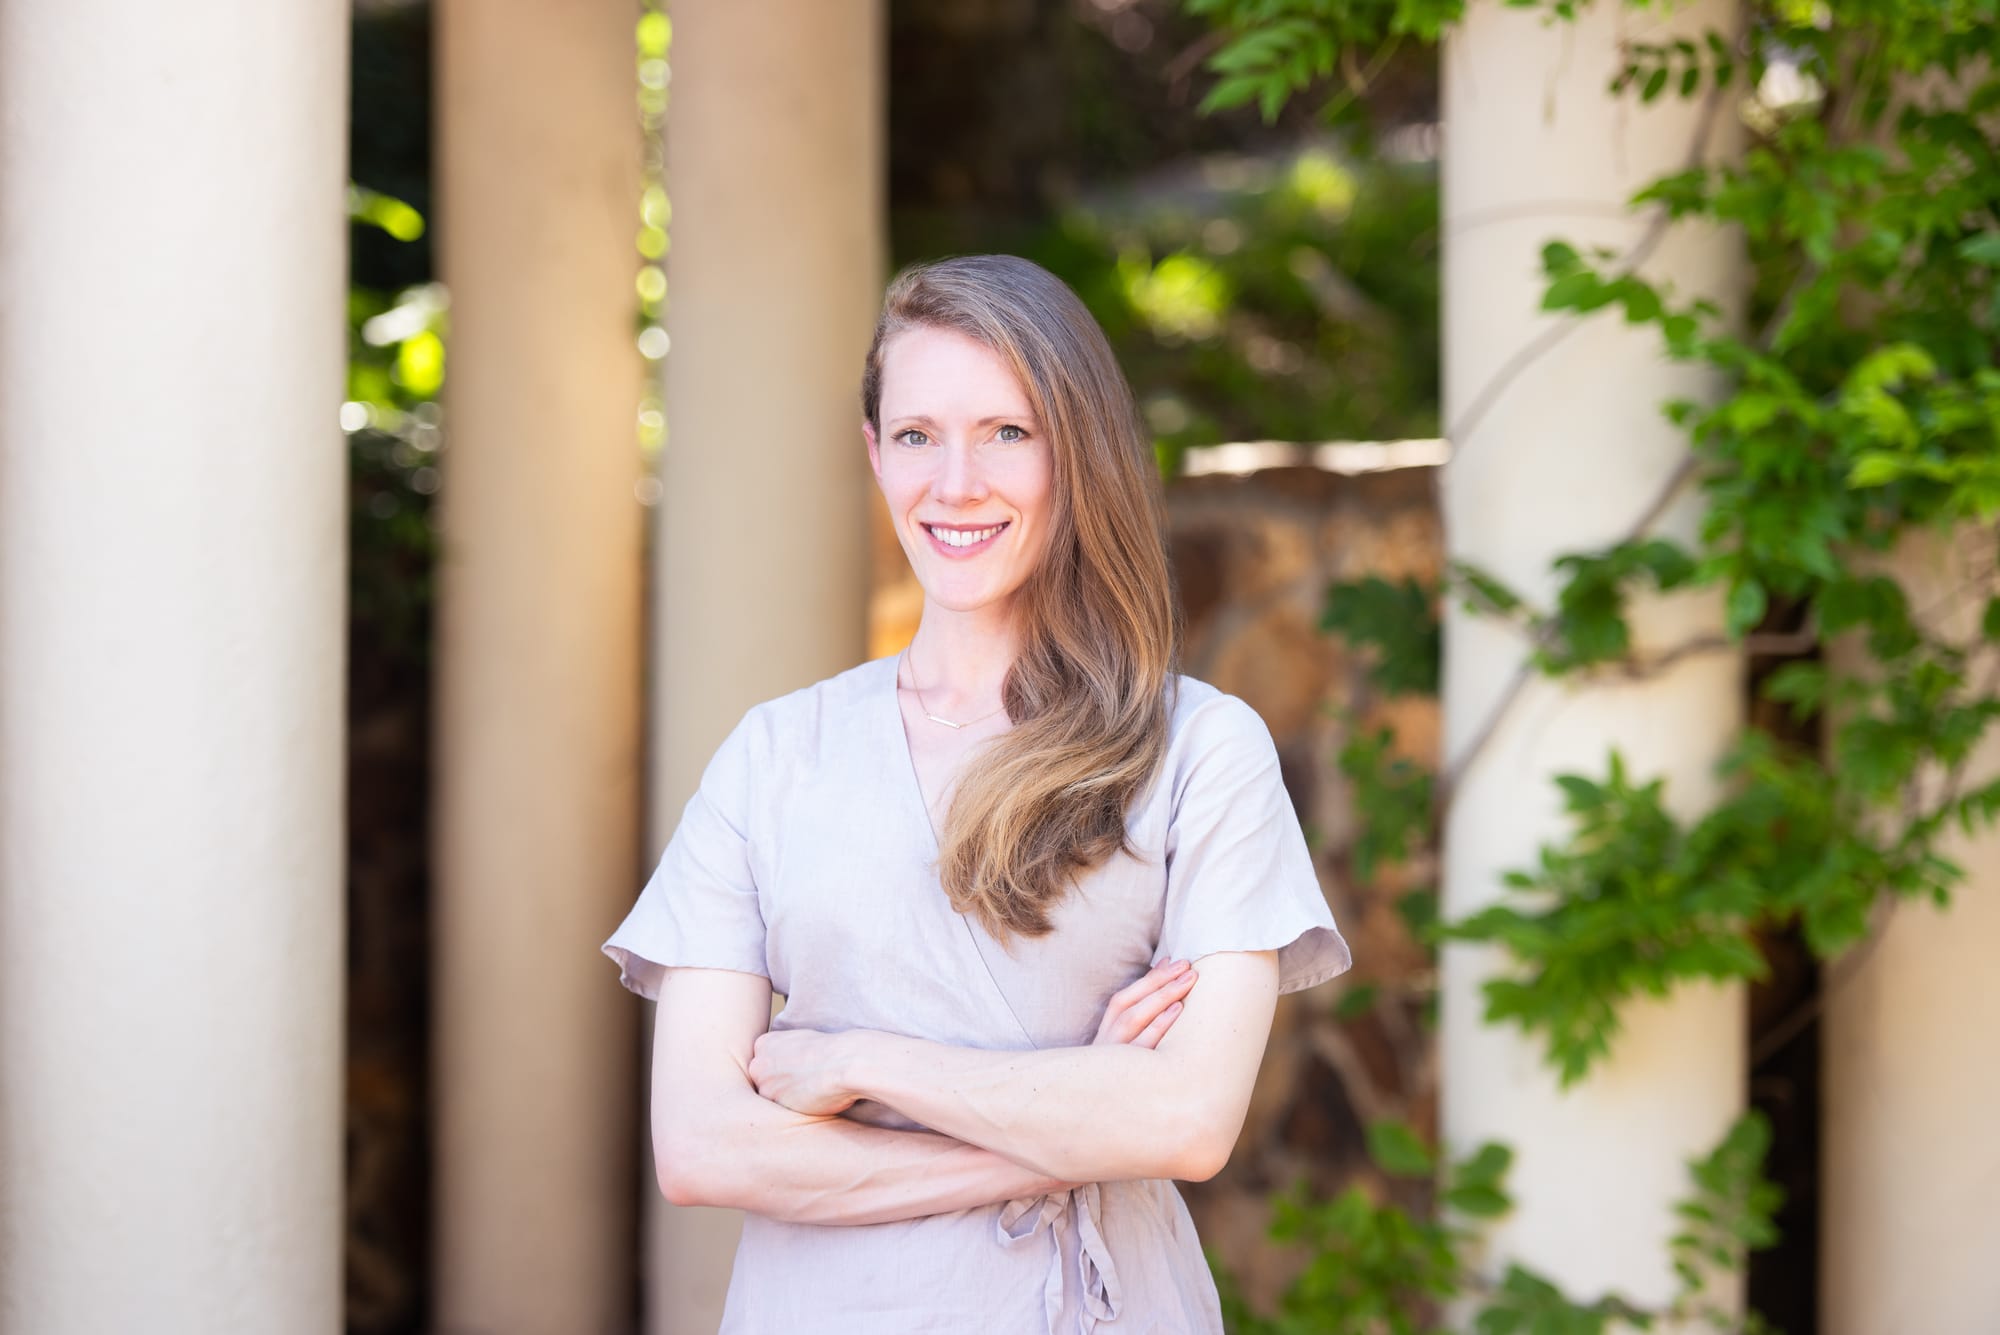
961 481
1030 892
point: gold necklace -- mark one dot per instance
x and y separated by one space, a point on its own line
926 708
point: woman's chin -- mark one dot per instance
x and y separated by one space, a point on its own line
964 596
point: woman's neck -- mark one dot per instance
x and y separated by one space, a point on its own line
959 660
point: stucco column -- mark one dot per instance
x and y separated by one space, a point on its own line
1910 1160
538 725
173 542
775 169
1556 450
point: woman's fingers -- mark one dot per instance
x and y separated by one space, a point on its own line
1137 1005
1113 1027
1144 1012
1150 1036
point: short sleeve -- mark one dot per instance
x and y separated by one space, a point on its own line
699 909
1239 874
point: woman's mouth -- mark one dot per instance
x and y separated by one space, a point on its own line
962 542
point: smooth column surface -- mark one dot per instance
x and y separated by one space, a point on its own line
173 543
538 671
1910 1162
1555 451
774 169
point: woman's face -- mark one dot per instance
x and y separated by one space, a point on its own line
964 466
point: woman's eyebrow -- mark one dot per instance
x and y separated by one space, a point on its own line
925 419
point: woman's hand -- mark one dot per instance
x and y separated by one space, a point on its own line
802 1069
805 1070
1141 1012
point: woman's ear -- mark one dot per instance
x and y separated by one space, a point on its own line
874 448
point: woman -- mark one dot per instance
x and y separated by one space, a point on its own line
957 863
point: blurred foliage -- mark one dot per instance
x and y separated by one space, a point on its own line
395 334
651 41
398 315
394 368
1859 403
1393 799
1255 281
1864 403
1394 1265
1287 296
1397 622
1292 296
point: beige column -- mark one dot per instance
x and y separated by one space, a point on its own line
173 542
538 727
1911 1164
1559 446
775 169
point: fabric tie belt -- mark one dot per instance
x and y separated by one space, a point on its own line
1057 1212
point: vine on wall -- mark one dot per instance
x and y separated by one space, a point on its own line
1861 404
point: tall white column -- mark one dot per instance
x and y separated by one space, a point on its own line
538 726
775 170
173 541
1554 453
1909 1210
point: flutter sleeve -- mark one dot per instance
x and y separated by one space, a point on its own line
1239 874
699 909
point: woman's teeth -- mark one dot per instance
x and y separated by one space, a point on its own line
963 538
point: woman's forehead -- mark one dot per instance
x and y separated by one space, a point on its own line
940 372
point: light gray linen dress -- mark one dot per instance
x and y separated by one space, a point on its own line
806 855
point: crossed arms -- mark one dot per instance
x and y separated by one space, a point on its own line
747 1118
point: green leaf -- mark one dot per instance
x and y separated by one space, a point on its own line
1399 621
1802 685
1398 1151
1875 468
1419 911
1485 1167
1746 607
1981 249
1559 257
1356 1001
1230 92
1579 290
1488 593
1478 1201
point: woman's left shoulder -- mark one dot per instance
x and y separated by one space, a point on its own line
1205 715
1214 739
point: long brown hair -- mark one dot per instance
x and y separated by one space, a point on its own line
1091 690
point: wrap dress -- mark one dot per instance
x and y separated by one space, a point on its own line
807 855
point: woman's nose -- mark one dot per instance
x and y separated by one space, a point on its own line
958 479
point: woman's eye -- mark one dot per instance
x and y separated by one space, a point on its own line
1019 434
912 436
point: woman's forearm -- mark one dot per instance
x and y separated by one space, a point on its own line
1100 1113
751 1154
1106 1112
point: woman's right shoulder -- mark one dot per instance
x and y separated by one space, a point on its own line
804 721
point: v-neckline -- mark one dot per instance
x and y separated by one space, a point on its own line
916 784
915 787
